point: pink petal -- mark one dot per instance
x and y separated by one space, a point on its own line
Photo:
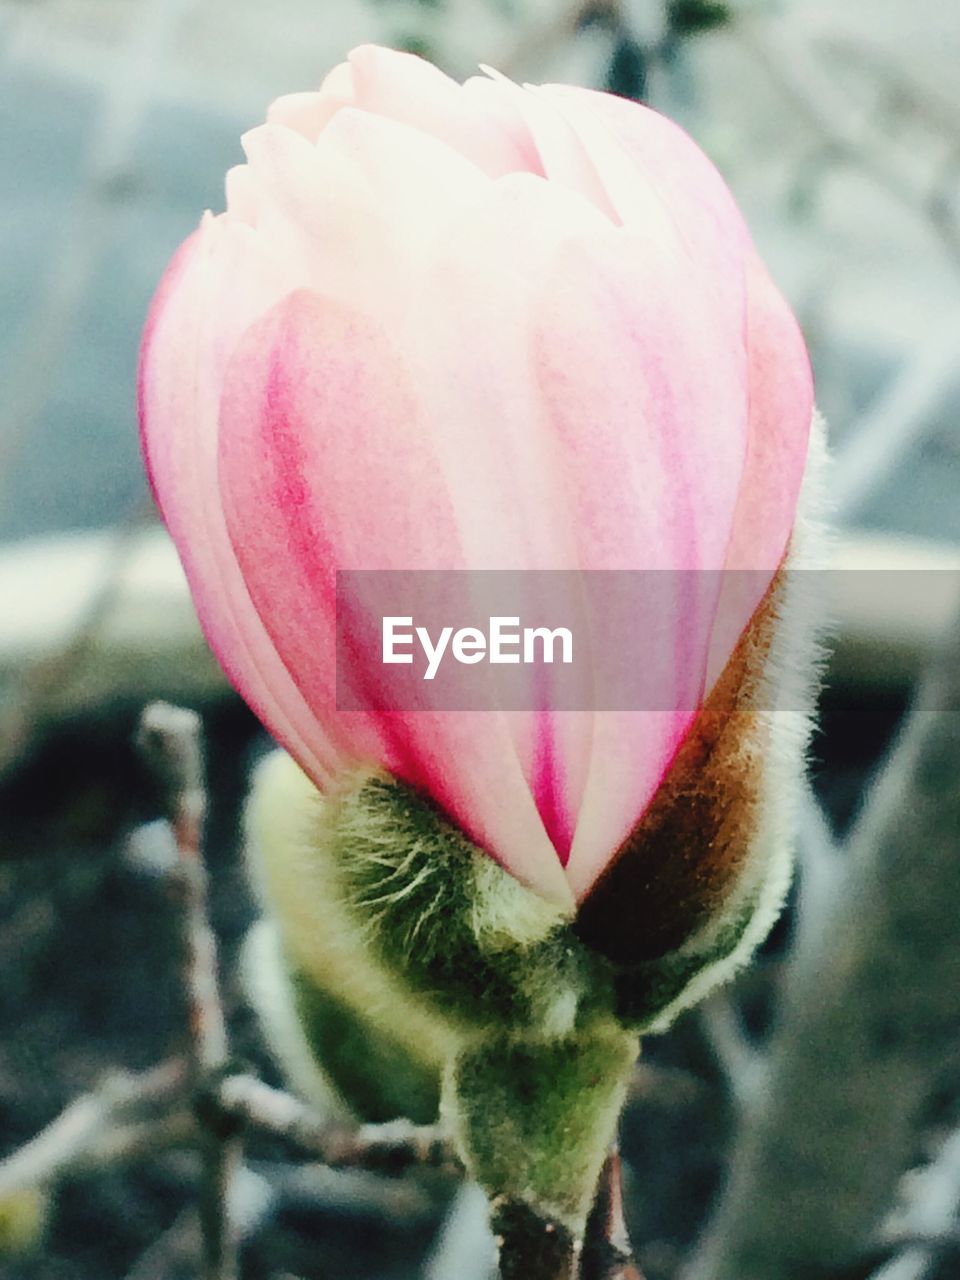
318 410
471 345
649 407
417 182
407 89
707 223
781 409
561 156
243 197
494 109
307 113
216 284
316 213
354 214
477 327
656 176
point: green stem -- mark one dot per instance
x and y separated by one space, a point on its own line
534 1120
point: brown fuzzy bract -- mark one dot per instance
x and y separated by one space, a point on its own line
680 864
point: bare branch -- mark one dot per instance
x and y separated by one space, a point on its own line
607 1253
315 1186
385 1148
191 1100
741 1064
169 739
821 864
545 35
111 1122
928 1219
781 49
176 1247
908 94
894 422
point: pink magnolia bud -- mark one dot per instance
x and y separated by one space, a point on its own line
488 327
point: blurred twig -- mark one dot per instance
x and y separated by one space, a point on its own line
740 1062
313 1186
820 862
195 1100
784 54
890 427
169 740
109 1123
198 1102
176 1246
867 1024
906 93
607 1254
543 36
384 1148
928 1220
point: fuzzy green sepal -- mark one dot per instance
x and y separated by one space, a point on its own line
373 1072
534 1120
469 940
383 903
647 993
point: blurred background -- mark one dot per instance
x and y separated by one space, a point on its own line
838 128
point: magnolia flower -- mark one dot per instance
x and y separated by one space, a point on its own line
487 327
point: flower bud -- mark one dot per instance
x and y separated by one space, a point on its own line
467 328
490 328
